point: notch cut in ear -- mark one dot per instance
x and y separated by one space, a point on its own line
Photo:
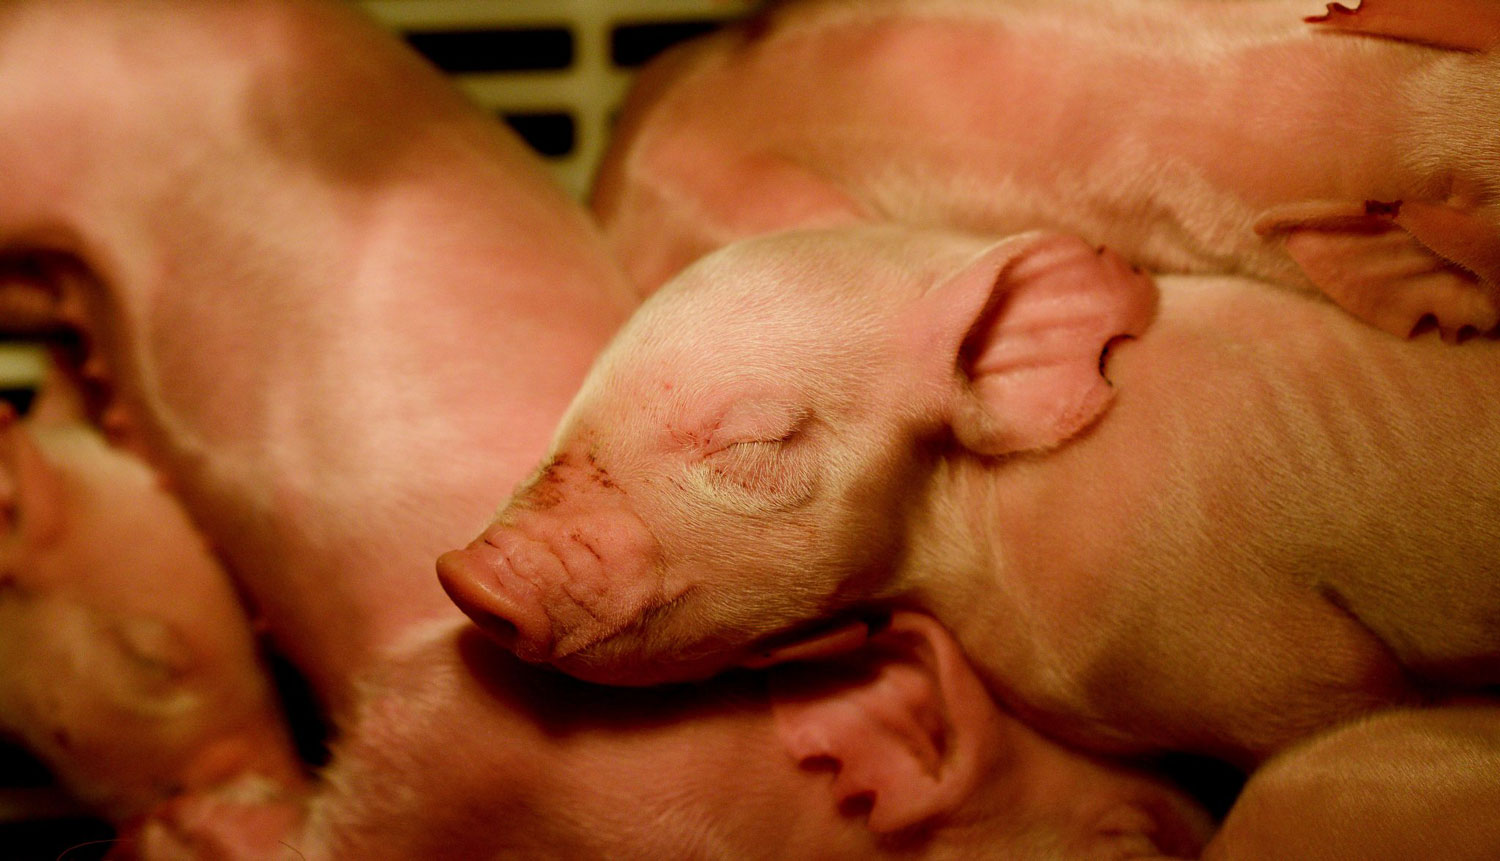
902 722
1021 332
909 739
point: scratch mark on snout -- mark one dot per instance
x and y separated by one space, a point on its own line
581 601
578 537
565 473
599 474
641 627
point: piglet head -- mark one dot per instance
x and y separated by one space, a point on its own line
745 460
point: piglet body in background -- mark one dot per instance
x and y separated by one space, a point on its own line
128 664
337 308
1213 530
1407 783
1191 136
302 264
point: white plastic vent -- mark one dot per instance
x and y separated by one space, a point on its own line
555 69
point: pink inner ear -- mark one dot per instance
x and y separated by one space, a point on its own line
828 643
1033 357
1044 406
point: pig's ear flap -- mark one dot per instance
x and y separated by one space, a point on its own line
903 727
1017 337
31 491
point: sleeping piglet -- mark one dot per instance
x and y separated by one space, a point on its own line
126 661
1190 136
1211 522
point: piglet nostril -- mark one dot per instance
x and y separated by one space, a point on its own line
497 628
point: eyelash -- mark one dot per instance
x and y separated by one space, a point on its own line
742 466
743 457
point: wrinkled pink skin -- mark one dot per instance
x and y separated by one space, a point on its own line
128 664
1190 136
1284 518
301 263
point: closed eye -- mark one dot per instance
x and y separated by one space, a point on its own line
756 421
776 470
750 456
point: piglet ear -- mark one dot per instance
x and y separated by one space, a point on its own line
1025 325
902 724
31 492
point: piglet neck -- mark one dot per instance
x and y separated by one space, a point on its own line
953 560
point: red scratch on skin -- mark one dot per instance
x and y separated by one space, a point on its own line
545 492
690 438
699 438
599 475
578 538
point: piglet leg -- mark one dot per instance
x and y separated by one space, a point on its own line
1400 265
1400 784
1463 25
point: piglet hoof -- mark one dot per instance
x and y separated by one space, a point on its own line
1460 25
1403 267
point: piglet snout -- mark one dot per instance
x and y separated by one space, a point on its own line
484 584
548 587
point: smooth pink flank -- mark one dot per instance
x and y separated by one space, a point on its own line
336 304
